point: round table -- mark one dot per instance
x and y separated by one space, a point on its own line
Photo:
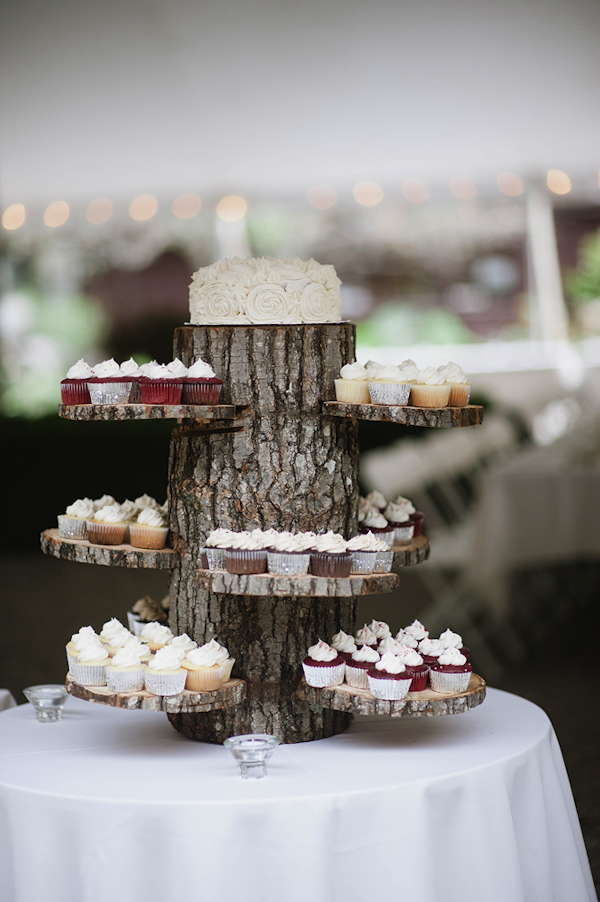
114 806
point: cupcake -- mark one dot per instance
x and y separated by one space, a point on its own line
388 388
126 671
204 672
460 387
246 553
131 370
111 629
149 530
223 658
164 675
389 644
344 645
453 640
358 665
388 678
323 666
417 521
430 389
74 389
144 501
376 523
351 387
405 638
380 629
397 516
182 643
84 635
145 610
90 667
73 523
430 650
107 526
415 666
374 499
417 630
201 385
160 385
289 555
215 548
103 501
365 636
109 385
155 636
364 552
330 556
451 673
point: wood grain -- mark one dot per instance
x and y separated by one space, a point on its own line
432 418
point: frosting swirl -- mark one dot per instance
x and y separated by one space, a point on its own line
365 655
80 370
353 372
166 658
201 370
452 657
322 652
106 369
343 642
390 664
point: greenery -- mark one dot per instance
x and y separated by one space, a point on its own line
397 323
583 284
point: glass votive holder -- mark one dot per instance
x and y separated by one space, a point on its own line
252 751
48 701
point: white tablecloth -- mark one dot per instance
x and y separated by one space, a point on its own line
115 806
540 507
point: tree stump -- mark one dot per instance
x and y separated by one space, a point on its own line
282 466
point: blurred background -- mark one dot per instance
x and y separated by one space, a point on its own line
444 157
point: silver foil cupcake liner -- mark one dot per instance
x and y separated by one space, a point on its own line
216 558
125 680
390 690
357 677
321 677
288 563
165 683
71 527
363 561
89 674
441 681
384 562
396 393
109 392
404 534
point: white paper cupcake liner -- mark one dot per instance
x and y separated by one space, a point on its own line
216 558
89 674
106 533
459 394
395 393
430 395
357 677
206 680
384 562
363 561
165 683
71 659
321 677
148 536
109 392
125 680
71 527
352 391
442 681
391 690
288 564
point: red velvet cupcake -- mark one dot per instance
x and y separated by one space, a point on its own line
357 668
452 673
417 668
201 385
389 679
74 389
323 666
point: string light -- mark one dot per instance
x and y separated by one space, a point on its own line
321 197
143 207
13 217
558 181
56 214
186 206
415 191
99 210
368 194
463 188
510 184
231 208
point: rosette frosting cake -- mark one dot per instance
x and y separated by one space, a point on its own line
261 290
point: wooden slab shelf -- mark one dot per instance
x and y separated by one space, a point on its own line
436 418
83 552
415 552
416 704
268 584
228 696
151 411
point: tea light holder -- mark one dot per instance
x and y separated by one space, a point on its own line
252 751
48 701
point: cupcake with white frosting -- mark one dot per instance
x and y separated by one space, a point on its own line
201 384
215 548
90 667
460 387
451 673
364 552
323 666
126 670
160 384
375 522
164 674
131 369
107 526
430 389
73 523
109 385
344 644
203 667
374 499
288 554
149 530
84 635
388 678
415 666
365 636
330 556
352 387
358 666
387 386
246 553
155 636
74 388
398 516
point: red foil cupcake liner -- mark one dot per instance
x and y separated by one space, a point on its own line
201 391
75 391
159 391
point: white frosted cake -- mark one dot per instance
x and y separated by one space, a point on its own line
246 291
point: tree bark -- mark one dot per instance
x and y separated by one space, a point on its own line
282 466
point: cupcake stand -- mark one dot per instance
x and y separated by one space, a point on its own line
275 453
